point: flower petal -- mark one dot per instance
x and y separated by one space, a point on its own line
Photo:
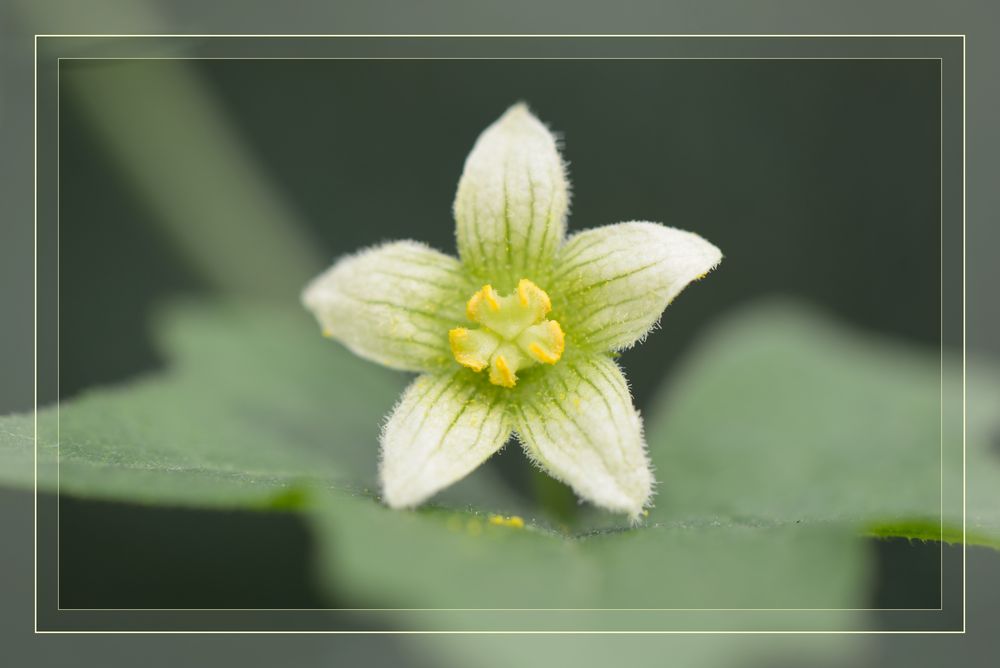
444 427
576 421
510 209
392 304
612 283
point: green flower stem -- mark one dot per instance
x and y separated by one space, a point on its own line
554 498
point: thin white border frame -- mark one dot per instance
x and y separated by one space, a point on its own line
459 36
492 58
940 608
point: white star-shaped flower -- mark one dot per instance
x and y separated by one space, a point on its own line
517 335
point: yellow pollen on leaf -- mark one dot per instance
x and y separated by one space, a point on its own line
513 521
514 333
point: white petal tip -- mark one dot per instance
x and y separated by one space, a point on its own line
518 110
519 118
635 518
398 500
636 509
400 492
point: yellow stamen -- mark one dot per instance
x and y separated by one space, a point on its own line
528 291
487 294
500 373
458 338
556 344
541 355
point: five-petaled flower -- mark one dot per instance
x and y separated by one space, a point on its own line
518 335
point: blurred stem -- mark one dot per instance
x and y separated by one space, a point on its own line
554 498
181 154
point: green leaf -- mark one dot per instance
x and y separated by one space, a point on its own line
500 577
783 415
253 405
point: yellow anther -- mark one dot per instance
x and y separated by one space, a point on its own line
541 355
549 343
486 294
327 332
530 293
465 350
500 373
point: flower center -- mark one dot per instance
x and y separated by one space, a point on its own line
514 333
